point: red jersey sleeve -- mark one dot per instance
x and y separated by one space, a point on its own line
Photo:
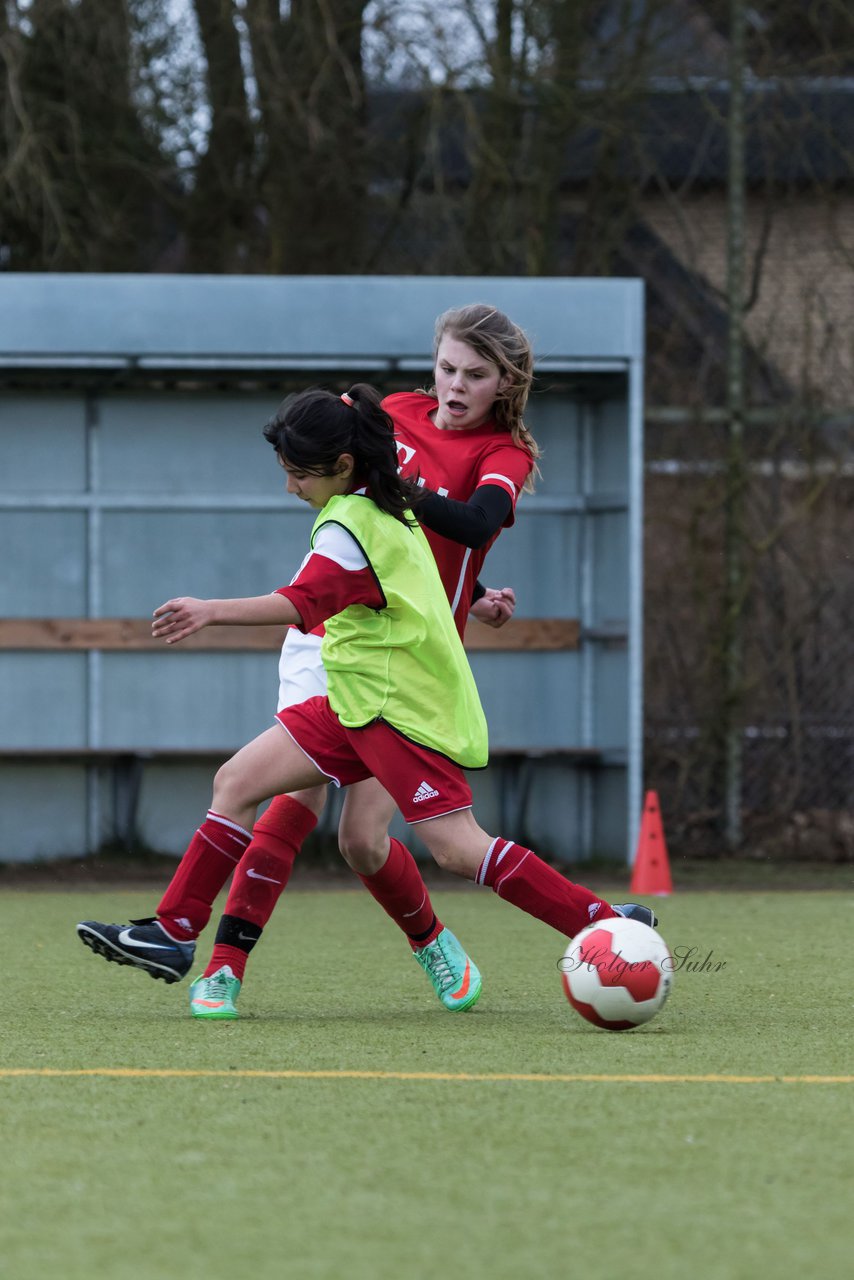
507 466
334 575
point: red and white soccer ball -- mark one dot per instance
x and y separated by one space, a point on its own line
617 974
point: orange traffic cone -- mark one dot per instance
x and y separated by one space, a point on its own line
651 867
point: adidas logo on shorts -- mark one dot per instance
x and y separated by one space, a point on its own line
424 792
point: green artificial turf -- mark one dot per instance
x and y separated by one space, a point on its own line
376 1176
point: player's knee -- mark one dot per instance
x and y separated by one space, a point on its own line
365 852
445 854
443 857
312 798
227 789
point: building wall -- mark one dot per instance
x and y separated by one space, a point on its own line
801 252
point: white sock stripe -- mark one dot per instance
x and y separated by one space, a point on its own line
481 875
508 845
226 822
511 872
226 853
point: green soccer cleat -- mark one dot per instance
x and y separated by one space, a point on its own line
455 976
214 997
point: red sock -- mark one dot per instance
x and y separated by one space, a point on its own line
211 856
259 880
401 892
266 866
232 956
517 874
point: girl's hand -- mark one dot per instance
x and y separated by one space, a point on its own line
181 617
495 607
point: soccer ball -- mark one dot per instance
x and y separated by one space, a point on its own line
617 974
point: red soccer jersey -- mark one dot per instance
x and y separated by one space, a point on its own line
334 575
454 464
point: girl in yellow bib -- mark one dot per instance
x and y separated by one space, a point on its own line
402 705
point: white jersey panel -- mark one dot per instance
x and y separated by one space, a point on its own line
301 671
338 544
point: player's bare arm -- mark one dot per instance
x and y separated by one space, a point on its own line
184 615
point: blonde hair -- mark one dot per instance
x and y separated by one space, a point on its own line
495 337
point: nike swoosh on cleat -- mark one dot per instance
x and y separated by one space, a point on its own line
256 875
210 1004
466 983
127 941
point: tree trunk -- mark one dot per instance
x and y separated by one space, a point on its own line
221 208
308 68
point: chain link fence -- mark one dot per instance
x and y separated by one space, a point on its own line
794 710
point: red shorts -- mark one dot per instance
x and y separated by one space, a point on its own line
424 783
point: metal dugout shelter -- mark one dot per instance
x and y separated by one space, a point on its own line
132 468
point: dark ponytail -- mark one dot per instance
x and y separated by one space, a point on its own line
312 429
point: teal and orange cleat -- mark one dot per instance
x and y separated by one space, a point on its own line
454 975
214 997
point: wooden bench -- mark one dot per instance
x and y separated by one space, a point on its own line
134 634
127 764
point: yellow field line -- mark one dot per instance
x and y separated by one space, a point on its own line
144 1073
